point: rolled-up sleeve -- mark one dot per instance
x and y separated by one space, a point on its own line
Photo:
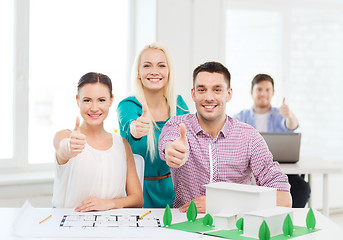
266 172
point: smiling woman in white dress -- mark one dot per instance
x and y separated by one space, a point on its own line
95 169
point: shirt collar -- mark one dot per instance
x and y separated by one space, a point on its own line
227 126
195 124
251 112
272 111
224 131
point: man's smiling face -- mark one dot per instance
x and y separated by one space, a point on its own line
210 94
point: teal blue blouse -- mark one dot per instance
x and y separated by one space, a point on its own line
157 194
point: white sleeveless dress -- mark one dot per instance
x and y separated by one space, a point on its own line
92 172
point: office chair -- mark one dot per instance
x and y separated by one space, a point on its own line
139 161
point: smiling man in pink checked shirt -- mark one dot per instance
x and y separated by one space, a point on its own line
210 146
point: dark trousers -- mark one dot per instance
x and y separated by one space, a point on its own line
300 190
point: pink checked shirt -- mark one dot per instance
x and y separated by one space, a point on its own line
234 155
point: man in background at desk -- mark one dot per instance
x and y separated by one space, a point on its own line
266 118
210 146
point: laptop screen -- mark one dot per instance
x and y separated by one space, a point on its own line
285 147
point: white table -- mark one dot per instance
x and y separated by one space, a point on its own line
329 230
314 165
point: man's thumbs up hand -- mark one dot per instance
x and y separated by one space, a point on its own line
284 109
176 151
183 137
141 126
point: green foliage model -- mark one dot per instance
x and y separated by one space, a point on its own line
167 217
240 224
310 219
207 220
264 232
288 226
192 212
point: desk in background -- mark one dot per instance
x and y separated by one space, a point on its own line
309 166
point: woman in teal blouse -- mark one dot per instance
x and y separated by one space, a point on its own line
142 117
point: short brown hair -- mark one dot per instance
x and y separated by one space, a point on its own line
260 78
212 67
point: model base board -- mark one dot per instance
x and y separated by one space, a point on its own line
234 234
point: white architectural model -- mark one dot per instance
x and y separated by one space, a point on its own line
223 197
227 202
274 218
225 221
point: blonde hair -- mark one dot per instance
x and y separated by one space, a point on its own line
168 91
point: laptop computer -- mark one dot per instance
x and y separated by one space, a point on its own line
285 147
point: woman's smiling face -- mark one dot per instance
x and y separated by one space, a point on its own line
94 100
153 69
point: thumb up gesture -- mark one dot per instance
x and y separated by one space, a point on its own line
284 109
141 126
176 151
77 140
291 120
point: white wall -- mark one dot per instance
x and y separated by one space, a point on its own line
194 31
15 195
174 29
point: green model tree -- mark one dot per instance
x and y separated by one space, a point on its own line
240 224
192 212
167 217
264 232
310 219
207 220
288 226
